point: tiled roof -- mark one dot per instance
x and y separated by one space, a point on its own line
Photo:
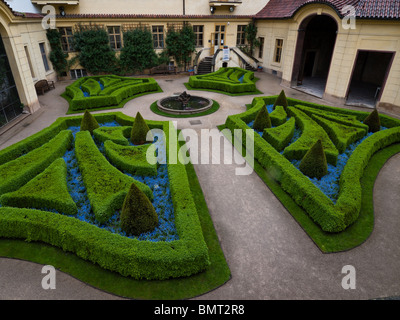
382 9
374 9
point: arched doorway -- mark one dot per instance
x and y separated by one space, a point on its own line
314 50
10 104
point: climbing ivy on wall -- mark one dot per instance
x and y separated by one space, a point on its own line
181 44
94 51
138 52
57 56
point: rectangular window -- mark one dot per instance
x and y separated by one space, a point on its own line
158 37
261 49
67 39
278 50
198 31
44 56
241 35
78 73
115 37
29 61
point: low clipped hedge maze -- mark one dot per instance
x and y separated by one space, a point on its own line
226 80
333 202
66 188
105 92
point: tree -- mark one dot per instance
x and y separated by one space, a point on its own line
138 52
251 37
262 120
139 130
138 214
314 164
181 44
94 50
373 121
89 122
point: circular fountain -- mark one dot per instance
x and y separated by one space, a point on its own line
184 104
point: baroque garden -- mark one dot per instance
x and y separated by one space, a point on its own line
101 190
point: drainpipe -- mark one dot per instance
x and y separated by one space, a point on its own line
183 6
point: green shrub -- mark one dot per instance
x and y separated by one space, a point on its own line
106 186
330 217
115 134
341 135
89 123
281 100
116 91
48 190
139 130
221 81
278 116
311 132
262 120
314 163
373 121
279 137
138 214
132 159
129 257
14 174
92 87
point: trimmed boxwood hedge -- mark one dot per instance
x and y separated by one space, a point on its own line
330 217
129 257
225 79
47 190
279 137
17 172
116 90
311 132
132 159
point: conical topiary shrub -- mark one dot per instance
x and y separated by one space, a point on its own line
139 130
314 164
281 100
373 121
262 120
89 122
138 214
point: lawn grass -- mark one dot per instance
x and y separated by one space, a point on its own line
182 288
214 108
355 234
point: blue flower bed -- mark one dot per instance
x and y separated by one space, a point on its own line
165 231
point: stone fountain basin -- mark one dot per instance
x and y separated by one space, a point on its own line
161 105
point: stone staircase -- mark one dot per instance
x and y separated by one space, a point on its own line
205 66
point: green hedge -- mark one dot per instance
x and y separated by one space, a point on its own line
341 135
225 79
279 137
129 257
106 186
132 159
311 132
118 135
47 190
331 218
15 173
116 90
